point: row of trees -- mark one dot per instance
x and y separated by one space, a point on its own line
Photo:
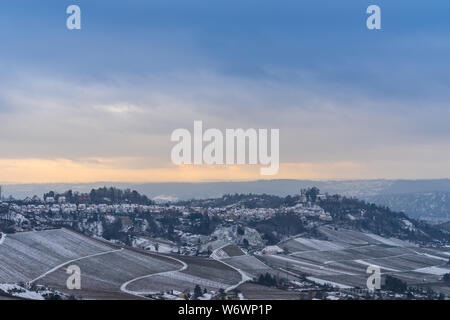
102 195
252 201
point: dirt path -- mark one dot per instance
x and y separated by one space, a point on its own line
124 289
244 276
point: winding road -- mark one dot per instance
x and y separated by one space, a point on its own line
123 287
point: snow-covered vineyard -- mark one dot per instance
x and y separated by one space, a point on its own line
112 272
42 258
342 260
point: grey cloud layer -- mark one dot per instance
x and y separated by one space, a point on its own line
45 117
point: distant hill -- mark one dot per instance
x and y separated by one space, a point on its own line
186 190
430 206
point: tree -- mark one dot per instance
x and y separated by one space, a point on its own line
446 277
312 194
197 291
222 293
53 296
289 201
112 231
320 295
267 280
395 285
170 231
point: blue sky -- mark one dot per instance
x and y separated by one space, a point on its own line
338 92
236 39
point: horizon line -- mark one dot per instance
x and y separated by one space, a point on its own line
223 181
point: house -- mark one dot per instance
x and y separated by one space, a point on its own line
50 200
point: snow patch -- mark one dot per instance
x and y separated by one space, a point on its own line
205 296
164 199
272 250
18 291
167 296
2 238
435 257
433 270
389 242
330 283
408 224
372 264
320 245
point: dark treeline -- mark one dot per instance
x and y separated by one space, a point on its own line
252 201
102 195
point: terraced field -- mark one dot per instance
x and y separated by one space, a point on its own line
208 273
113 272
253 291
233 251
103 276
25 256
249 264
107 271
343 259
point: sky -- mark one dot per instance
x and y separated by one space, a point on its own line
100 103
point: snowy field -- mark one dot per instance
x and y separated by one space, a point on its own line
249 264
252 291
25 256
233 251
178 281
112 272
211 270
43 258
344 257
102 276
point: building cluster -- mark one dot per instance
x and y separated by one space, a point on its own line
32 213
237 212
71 208
230 213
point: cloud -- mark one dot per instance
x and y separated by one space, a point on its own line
112 94
56 117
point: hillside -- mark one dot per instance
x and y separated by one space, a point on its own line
445 226
107 271
430 206
347 212
380 220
